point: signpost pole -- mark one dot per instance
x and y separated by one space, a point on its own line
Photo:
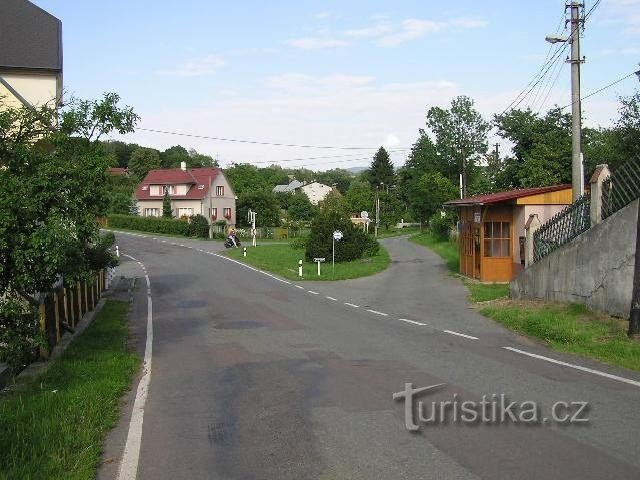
333 260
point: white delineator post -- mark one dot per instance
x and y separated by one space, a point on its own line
532 225
244 251
300 268
599 175
117 251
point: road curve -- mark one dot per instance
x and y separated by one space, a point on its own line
258 378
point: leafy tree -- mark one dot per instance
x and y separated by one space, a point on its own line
263 202
461 136
339 177
245 178
167 211
198 226
359 197
52 190
354 242
381 170
391 209
429 193
334 202
172 157
142 161
120 190
541 148
120 151
300 208
628 127
197 160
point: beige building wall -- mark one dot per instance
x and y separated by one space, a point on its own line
316 192
36 88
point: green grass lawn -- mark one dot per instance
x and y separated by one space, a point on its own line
571 328
53 426
283 260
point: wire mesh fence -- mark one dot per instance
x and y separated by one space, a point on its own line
563 227
621 187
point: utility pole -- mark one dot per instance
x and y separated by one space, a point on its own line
497 145
576 108
377 210
463 175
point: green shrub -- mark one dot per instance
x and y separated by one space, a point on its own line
441 226
352 246
299 243
372 247
149 224
198 227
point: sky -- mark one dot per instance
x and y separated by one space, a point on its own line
344 73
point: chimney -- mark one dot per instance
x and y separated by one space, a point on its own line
183 166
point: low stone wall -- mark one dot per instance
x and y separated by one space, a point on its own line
596 268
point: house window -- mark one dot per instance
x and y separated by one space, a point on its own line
220 191
185 212
170 189
151 212
213 212
226 213
497 239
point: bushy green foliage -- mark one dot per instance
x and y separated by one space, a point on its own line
167 212
262 202
352 246
20 334
441 226
149 224
300 208
198 227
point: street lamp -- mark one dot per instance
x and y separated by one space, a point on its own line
555 39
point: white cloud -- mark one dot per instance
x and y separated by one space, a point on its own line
311 43
197 67
372 31
322 15
412 29
391 141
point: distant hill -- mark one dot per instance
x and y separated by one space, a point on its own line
356 170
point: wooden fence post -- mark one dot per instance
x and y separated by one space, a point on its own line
86 298
42 317
56 314
71 308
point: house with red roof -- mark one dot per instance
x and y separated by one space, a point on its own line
492 228
193 191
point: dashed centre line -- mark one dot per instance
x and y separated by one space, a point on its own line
332 299
413 322
377 312
464 335
351 305
312 292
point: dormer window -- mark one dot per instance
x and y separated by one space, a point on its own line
170 189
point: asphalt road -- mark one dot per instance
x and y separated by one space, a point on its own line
257 378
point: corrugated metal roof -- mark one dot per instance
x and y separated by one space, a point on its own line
509 195
31 38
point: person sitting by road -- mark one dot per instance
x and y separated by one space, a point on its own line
233 237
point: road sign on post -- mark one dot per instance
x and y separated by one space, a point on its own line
319 261
337 236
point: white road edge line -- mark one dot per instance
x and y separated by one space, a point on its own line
464 335
412 321
300 287
332 299
312 292
577 367
377 312
351 305
131 456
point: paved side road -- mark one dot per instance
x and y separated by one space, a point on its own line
256 377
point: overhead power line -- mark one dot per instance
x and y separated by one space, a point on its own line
256 142
603 88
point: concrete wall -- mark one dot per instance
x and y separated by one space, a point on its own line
596 268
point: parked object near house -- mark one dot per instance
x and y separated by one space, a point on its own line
316 191
492 228
193 191
31 55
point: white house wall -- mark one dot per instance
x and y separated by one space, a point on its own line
316 192
38 89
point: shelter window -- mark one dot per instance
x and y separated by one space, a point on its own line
497 239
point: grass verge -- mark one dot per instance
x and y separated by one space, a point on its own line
283 260
572 328
53 426
396 232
